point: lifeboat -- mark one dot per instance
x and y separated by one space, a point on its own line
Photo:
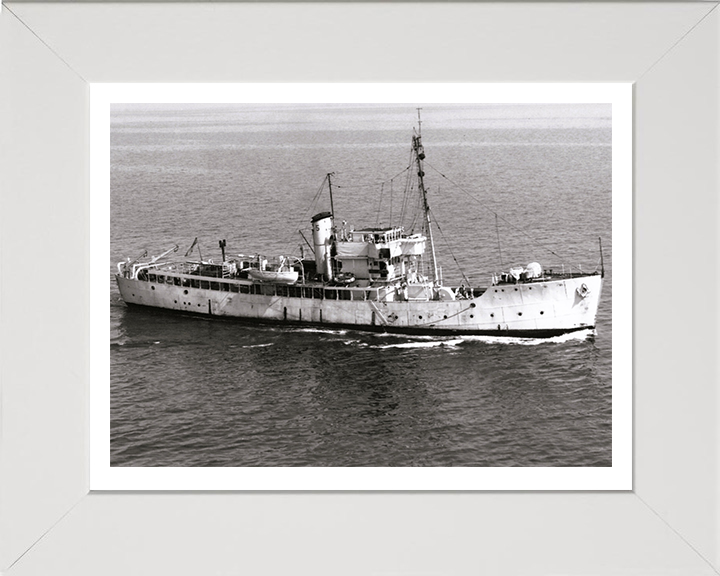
279 272
277 276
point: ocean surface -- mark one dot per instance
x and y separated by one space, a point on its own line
508 185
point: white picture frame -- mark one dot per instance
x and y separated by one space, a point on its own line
668 524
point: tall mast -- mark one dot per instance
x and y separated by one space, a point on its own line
419 157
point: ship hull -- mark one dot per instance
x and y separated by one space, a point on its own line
536 309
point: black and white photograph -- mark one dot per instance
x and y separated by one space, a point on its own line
361 285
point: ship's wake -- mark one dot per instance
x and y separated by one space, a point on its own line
578 336
424 344
319 331
438 341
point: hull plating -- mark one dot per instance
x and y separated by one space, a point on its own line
538 309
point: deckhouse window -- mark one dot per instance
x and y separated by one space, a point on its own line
307 292
318 293
269 290
214 286
244 289
186 282
224 287
152 278
161 279
331 294
234 288
195 283
176 281
204 284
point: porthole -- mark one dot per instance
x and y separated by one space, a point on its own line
541 312
492 314
175 301
445 317
420 317
472 304
515 289
519 313
152 287
185 292
472 316
529 287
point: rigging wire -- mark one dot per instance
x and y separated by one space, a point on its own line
391 200
385 181
382 187
319 191
308 210
510 224
437 224
377 219
497 231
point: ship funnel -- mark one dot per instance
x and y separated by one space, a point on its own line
322 225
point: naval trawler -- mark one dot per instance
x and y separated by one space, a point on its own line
367 278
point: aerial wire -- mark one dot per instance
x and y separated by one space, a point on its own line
510 224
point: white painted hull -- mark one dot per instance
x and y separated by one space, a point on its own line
528 309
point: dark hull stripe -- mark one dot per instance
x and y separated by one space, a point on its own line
541 333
